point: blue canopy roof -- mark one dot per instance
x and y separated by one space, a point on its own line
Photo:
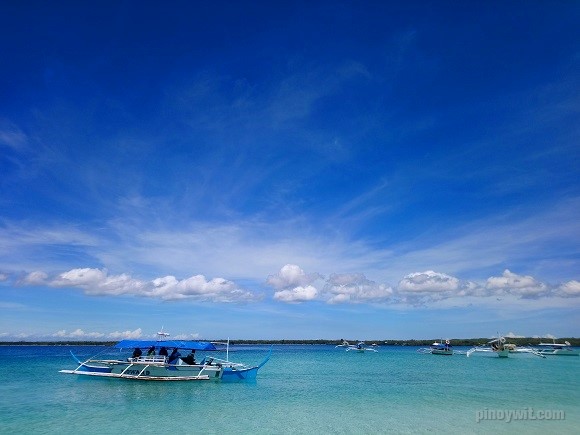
187 344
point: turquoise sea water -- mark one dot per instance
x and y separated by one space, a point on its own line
302 390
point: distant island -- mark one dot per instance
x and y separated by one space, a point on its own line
520 341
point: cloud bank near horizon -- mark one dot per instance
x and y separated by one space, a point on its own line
79 334
291 284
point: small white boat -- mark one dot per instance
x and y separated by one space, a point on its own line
359 347
438 348
560 349
159 365
493 348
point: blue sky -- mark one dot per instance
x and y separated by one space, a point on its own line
299 170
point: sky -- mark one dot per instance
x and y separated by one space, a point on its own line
289 169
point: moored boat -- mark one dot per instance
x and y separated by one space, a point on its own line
559 349
359 347
438 348
160 365
493 348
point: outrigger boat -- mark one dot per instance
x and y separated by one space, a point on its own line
560 349
438 348
359 347
499 347
494 347
157 365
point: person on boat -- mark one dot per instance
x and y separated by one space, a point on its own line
151 351
189 359
137 353
174 356
163 351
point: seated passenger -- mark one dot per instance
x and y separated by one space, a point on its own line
151 351
163 351
189 359
137 353
174 356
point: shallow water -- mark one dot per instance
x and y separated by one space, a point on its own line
301 390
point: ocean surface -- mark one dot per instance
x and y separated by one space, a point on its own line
303 389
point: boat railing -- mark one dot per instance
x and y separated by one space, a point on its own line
152 359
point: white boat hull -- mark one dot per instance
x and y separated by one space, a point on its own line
442 351
155 368
559 352
557 349
488 353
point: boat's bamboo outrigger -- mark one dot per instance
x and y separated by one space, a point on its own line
163 368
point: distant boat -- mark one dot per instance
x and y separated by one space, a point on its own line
438 348
559 349
359 347
162 334
493 348
157 365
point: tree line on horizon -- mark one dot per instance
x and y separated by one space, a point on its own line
519 341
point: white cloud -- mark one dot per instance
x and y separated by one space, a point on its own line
137 333
524 286
97 282
80 278
297 294
293 284
569 289
35 278
513 335
195 336
429 281
198 287
355 288
78 334
291 275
